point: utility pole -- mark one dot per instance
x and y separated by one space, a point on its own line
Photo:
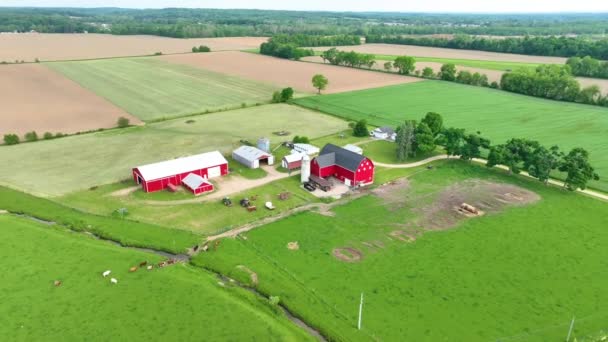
360 311
570 330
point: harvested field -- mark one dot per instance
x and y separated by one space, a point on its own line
55 47
423 51
285 73
35 98
603 84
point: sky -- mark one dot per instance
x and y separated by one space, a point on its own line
500 6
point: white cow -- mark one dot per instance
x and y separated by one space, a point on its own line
106 273
114 281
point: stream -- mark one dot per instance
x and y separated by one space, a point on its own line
186 259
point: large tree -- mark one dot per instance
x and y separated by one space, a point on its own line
452 139
405 140
405 64
425 140
448 72
320 82
434 121
543 162
578 169
473 143
360 129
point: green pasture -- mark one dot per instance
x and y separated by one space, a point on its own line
174 303
61 166
517 275
497 114
187 213
153 89
384 151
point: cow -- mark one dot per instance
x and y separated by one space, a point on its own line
106 273
114 281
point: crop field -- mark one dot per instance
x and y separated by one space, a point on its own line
56 47
498 115
61 166
285 73
176 302
35 98
451 54
152 89
428 272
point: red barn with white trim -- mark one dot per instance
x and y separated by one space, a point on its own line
349 167
158 176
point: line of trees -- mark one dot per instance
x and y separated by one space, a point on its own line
540 46
278 48
303 40
349 59
516 154
553 82
588 67
202 48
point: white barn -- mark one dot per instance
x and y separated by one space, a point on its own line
252 156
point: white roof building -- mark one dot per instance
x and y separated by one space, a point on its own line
181 165
354 148
194 181
305 148
251 156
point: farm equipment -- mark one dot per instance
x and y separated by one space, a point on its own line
469 208
269 206
227 201
310 187
252 208
245 203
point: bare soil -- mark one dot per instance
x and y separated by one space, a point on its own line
347 254
35 98
293 246
52 47
423 51
285 73
252 275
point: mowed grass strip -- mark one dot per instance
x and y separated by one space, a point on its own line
497 114
174 303
153 89
57 167
520 274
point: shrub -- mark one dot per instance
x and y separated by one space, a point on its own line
11 139
190 121
48 136
158 53
360 129
301 140
276 97
31 136
123 122
59 135
286 94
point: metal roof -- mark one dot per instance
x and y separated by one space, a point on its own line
306 148
294 157
181 165
251 153
385 129
353 148
335 155
194 181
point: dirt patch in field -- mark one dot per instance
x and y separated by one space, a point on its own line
393 194
423 51
445 211
347 254
35 98
285 73
252 275
293 246
585 82
52 47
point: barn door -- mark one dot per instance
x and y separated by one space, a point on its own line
214 172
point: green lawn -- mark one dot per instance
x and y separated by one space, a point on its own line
175 303
153 89
206 218
498 115
518 275
61 166
383 151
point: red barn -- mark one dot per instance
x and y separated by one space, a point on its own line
349 167
159 176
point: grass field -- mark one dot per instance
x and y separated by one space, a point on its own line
206 218
174 303
152 89
498 115
383 151
516 275
79 162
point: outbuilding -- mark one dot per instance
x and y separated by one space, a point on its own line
171 173
354 148
197 184
292 161
349 167
252 157
308 149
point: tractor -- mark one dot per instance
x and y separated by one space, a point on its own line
227 201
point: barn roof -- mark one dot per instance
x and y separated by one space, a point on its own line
194 181
335 155
294 157
251 153
181 165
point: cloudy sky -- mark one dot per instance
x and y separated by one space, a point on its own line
342 5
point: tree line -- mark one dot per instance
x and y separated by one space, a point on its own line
588 67
540 46
291 46
516 154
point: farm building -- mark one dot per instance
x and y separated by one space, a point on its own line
292 161
264 144
171 173
305 148
354 148
349 167
251 156
385 133
197 184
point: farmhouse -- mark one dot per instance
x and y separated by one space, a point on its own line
251 156
349 167
292 161
171 173
385 133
